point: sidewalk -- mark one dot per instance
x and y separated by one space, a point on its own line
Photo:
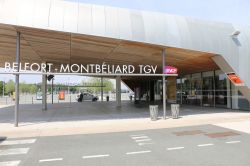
92 118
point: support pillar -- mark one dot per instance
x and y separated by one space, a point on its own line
101 88
118 91
44 92
52 91
17 80
164 83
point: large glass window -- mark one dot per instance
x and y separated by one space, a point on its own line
221 94
208 89
196 89
186 89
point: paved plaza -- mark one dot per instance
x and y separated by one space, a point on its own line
101 117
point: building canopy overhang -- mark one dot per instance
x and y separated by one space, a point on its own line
40 45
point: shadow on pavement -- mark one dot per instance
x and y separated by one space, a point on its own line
92 111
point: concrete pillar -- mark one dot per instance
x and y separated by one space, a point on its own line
17 80
44 92
118 91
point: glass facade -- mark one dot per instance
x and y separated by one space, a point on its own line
210 89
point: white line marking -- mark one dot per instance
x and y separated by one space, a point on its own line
140 137
143 140
138 152
96 156
175 148
14 151
18 142
233 142
147 143
202 145
48 160
10 163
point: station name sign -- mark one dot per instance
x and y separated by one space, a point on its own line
104 68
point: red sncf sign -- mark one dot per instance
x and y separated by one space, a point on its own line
170 70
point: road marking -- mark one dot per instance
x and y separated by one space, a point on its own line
232 142
10 163
140 137
138 152
14 151
96 156
143 140
49 160
202 145
146 143
18 142
175 148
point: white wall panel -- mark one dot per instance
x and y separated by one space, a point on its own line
85 19
111 22
70 16
41 13
56 15
9 13
137 25
98 22
124 23
25 12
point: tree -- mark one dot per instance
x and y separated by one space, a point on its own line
10 86
95 85
1 87
24 88
33 89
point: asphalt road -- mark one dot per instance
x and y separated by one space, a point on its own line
206 145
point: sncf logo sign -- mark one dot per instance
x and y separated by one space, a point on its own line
170 70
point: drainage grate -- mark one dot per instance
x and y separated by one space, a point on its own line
221 134
191 132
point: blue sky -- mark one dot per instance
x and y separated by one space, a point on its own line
233 11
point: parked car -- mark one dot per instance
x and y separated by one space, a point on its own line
86 97
39 95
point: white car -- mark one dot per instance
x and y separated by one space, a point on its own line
39 95
86 97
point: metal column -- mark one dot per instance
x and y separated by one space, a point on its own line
164 83
17 80
44 92
181 89
101 88
52 91
118 91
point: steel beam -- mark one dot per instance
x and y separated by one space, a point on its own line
164 83
118 91
101 88
44 92
17 80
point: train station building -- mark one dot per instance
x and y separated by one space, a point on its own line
212 58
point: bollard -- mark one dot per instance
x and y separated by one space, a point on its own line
153 109
32 100
175 110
